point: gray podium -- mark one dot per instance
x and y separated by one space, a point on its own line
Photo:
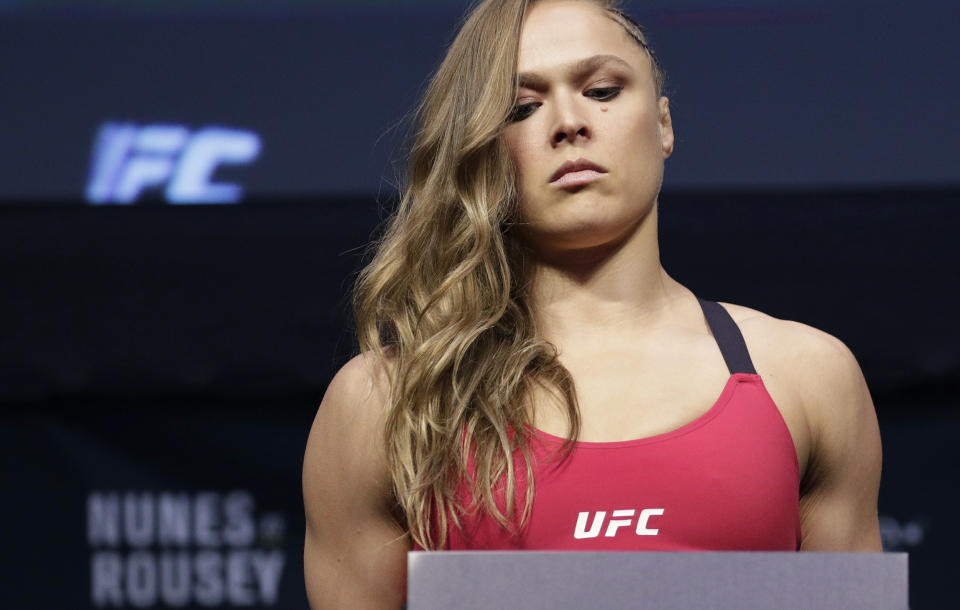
735 580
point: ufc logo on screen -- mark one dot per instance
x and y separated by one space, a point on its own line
618 519
128 160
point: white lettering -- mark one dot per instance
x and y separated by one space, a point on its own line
106 570
139 174
110 149
267 568
581 530
209 586
103 519
645 515
239 528
618 519
148 576
175 579
616 524
155 147
207 149
141 579
205 519
174 519
138 519
239 579
127 160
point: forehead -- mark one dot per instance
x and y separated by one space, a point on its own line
557 34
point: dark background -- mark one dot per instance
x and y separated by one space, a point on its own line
150 348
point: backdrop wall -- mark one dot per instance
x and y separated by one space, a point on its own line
160 364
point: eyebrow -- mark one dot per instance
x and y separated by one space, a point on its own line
574 71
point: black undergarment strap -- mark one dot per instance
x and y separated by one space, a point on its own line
728 338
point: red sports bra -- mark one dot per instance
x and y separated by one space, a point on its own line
728 480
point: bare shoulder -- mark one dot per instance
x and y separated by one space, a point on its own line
766 329
360 376
818 367
357 394
347 427
354 547
829 408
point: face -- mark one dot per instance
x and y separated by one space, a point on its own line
587 96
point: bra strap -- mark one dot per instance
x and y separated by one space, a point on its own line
728 338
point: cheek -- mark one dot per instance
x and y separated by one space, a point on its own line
639 148
640 134
528 163
512 138
520 155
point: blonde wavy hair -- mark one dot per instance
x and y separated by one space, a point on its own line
442 304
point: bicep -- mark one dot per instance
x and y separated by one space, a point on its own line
362 566
354 550
839 496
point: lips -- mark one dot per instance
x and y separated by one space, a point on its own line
584 168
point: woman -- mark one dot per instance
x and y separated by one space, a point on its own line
530 375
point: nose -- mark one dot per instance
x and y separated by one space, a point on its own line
571 123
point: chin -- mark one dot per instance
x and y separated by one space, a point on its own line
581 237
585 220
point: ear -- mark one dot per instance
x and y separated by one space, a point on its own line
665 124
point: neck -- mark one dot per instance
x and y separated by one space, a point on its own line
605 292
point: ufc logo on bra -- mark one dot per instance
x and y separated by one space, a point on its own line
619 519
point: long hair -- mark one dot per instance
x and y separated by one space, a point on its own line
442 305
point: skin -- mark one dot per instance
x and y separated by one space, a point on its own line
634 340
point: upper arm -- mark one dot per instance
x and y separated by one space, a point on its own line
354 551
838 504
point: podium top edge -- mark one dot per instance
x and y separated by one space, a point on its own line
897 554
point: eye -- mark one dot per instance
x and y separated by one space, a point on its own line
521 112
603 93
